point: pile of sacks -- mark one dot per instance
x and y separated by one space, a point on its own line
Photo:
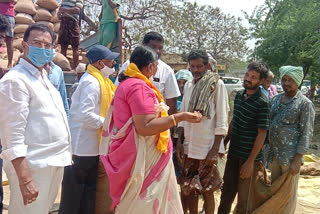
43 12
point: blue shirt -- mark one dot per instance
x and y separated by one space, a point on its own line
291 127
56 77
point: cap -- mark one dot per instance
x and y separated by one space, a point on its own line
99 52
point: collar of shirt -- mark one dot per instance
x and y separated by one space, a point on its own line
298 94
253 96
29 67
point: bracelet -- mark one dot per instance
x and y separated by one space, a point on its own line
26 182
174 120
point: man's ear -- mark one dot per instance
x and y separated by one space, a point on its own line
208 67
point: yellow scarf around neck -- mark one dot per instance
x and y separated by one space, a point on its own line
133 71
107 89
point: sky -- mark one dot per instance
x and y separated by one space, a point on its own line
234 8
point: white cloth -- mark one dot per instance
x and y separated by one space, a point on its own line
84 116
199 137
33 121
167 84
48 182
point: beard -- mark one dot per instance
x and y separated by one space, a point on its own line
249 85
197 75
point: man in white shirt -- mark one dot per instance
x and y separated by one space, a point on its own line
199 144
164 79
34 129
89 104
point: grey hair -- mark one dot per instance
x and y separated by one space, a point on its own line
270 73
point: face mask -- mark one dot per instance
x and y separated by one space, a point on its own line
52 55
39 56
106 71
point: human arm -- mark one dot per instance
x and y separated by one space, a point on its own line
306 129
14 108
147 125
247 167
112 4
89 99
27 185
221 103
63 93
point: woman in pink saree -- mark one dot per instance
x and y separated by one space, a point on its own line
137 145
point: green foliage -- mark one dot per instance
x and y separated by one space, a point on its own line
288 32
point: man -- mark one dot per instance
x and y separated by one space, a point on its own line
182 77
201 142
292 117
56 77
164 79
247 132
267 87
7 11
34 129
69 33
89 105
108 32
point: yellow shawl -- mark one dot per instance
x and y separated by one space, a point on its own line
107 89
133 71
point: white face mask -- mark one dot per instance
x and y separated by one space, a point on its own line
106 71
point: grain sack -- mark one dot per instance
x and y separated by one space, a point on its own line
17 44
18 35
25 6
42 15
55 17
48 4
49 24
23 18
56 27
62 62
20 28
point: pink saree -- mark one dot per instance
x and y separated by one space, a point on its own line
142 180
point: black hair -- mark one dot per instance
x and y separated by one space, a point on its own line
152 36
198 54
39 27
259 67
4 26
141 56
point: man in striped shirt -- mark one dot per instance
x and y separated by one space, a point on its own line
247 132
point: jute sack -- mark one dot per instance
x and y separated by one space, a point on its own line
55 17
48 4
62 62
56 27
20 28
23 18
42 15
18 35
17 44
49 24
25 6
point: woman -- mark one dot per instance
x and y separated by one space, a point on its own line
139 149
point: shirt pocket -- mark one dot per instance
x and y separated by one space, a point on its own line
290 117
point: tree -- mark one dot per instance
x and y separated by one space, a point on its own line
287 32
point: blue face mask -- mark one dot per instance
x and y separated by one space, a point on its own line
39 56
52 55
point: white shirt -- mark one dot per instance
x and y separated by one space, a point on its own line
167 83
84 115
33 121
199 137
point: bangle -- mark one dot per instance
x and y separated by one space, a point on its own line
26 182
174 120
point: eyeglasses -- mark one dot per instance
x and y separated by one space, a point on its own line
40 44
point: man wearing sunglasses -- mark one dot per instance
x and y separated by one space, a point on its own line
34 129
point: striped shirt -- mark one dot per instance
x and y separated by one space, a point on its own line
71 4
249 115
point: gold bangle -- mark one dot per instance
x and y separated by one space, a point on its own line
174 120
26 182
